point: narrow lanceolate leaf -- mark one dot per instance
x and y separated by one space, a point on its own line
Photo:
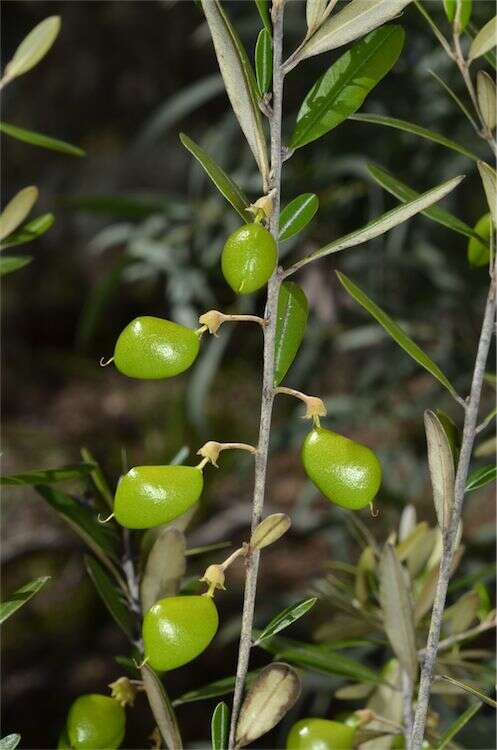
213 690
459 723
410 127
396 332
442 472
239 81
314 10
285 618
13 263
396 604
450 7
20 597
162 709
38 139
221 180
270 530
10 742
343 88
383 223
485 40
220 727
164 568
33 48
264 61
470 689
111 596
485 89
271 696
291 322
354 21
481 477
489 179
48 476
297 214
16 211
263 8
29 232
404 193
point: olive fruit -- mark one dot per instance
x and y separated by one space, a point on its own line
249 258
346 472
152 348
320 734
150 495
478 252
96 722
177 629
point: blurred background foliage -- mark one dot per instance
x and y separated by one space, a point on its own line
138 230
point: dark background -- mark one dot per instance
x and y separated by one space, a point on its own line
138 231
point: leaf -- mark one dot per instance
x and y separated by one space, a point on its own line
270 697
264 61
355 20
285 618
450 7
441 465
263 8
297 214
459 723
162 709
395 331
404 193
16 211
480 477
314 10
489 179
239 81
382 223
220 727
13 263
484 41
10 742
487 100
452 433
39 139
291 322
410 127
269 530
462 614
29 232
33 48
98 478
395 599
111 596
470 689
48 476
21 596
345 85
164 568
224 184
224 686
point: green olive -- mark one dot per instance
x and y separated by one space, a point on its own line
478 252
96 722
249 258
177 629
346 472
153 348
150 495
320 734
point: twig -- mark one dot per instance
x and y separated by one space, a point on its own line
407 689
449 533
261 457
453 639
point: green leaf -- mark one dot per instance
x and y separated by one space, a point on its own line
479 248
17 209
49 476
161 707
470 689
33 48
293 310
480 477
345 85
21 596
450 91
404 193
489 180
220 727
263 8
10 742
297 214
111 596
30 231
382 223
98 478
39 139
224 184
13 263
264 61
459 723
452 433
485 40
410 127
396 332
224 686
285 618
450 7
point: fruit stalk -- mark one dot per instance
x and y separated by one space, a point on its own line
267 398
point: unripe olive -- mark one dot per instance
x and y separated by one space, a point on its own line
96 722
177 629
150 495
320 734
346 472
152 348
249 258
478 252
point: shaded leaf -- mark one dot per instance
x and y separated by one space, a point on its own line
39 139
462 614
285 618
365 566
470 689
485 89
17 209
10 742
459 723
441 465
224 686
314 10
452 433
111 596
264 61
450 7
220 727
263 8
489 179
13 263
30 231
33 48
270 530
297 214
480 477
164 568
359 691
48 476
407 522
21 596
485 40
161 707
479 249
98 478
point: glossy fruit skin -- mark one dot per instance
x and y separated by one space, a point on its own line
96 722
320 734
249 258
291 321
150 495
177 629
478 253
152 348
346 472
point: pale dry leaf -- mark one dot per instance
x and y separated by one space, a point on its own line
441 465
164 568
